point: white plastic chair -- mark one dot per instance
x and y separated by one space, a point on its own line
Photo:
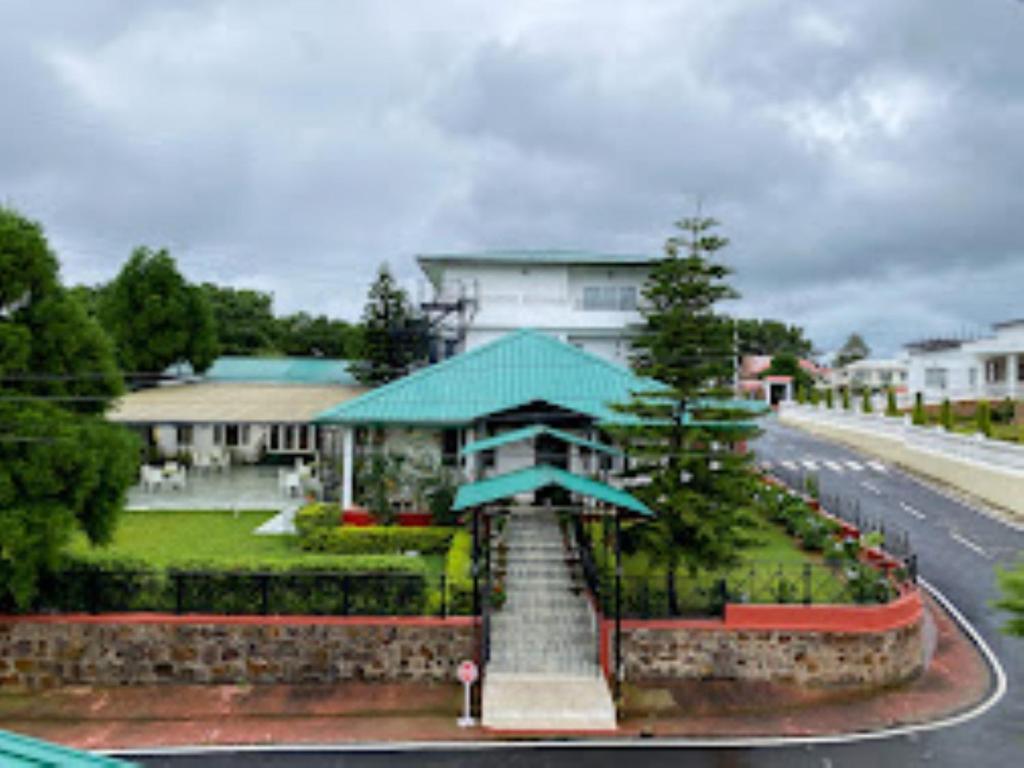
178 480
152 478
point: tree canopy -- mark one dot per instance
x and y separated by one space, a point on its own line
772 337
62 467
394 338
156 318
243 318
699 486
853 349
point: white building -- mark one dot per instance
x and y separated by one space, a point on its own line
991 368
586 299
875 374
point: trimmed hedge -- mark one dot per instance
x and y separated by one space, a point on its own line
377 540
313 517
458 570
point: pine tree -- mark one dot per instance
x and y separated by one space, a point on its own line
699 486
891 408
866 405
919 417
946 415
393 337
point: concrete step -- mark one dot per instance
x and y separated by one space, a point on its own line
546 702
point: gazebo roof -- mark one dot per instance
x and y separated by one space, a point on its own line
533 478
528 433
522 367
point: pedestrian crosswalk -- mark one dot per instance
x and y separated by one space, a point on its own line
840 467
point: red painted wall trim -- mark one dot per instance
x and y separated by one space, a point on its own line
848 619
276 621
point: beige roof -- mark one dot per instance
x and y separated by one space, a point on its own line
206 402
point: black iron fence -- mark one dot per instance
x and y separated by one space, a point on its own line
96 590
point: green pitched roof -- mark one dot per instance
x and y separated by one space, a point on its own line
527 433
17 750
532 478
279 370
519 368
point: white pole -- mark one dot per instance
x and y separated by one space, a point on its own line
348 459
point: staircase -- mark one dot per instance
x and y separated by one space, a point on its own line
543 673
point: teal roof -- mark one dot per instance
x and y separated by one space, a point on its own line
17 750
519 368
533 478
528 433
281 370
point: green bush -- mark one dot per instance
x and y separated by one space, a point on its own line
377 540
829 399
918 416
846 398
983 418
318 516
458 571
891 408
946 415
865 402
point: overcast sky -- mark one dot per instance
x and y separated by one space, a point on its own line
866 158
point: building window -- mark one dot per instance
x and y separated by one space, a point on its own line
231 435
218 434
488 459
275 438
184 436
1020 367
609 298
935 378
450 447
289 438
303 438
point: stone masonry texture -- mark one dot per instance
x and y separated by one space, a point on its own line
52 653
801 657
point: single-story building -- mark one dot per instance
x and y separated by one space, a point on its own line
245 408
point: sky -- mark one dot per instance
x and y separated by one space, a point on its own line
864 158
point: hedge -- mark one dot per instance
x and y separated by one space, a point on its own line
458 571
377 540
313 517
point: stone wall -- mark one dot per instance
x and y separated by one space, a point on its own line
38 652
809 645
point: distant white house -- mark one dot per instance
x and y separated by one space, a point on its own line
586 299
874 374
991 368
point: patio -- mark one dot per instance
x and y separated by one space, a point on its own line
244 487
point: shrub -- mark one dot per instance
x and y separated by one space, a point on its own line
318 516
829 399
815 396
891 408
918 416
983 418
377 540
846 398
1004 412
865 402
946 415
458 571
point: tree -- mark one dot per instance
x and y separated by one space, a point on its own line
983 418
788 364
393 337
771 337
687 425
918 416
946 415
303 334
244 319
866 406
891 409
1011 584
854 349
156 318
62 466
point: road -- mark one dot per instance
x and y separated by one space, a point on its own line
957 547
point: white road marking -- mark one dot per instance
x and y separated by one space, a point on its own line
834 466
877 466
911 511
791 466
873 488
854 466
810 465
970 545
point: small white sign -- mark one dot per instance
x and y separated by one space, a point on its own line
468 674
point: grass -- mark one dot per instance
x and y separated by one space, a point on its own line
165 539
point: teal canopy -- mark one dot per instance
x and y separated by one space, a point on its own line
534 478
528 433
17 750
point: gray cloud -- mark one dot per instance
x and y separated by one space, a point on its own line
862 156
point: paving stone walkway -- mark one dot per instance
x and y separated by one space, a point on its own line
543 672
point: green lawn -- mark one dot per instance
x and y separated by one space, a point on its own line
164 539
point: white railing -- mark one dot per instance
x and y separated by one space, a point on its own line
995 453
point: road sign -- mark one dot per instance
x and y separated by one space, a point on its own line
468 673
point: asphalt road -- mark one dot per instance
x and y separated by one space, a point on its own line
958 548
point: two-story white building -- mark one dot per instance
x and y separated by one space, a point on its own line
586 299
991 368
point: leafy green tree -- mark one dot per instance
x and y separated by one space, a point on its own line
1011 585
854 349
699 487
303 334
244 319
788 364
62 466
394 338
771 337
156 318
891 409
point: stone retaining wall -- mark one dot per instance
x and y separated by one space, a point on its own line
38 652
784 645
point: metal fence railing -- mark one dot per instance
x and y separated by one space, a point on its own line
96 590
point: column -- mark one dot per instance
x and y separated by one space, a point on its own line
1013 382
348 466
